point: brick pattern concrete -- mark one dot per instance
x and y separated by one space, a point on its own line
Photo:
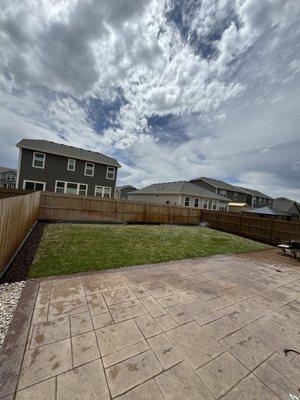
197 329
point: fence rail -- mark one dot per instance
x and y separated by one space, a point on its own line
264 229
11 192
17 216
58 207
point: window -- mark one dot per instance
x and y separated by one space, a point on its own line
38 160
10 177
71 164
254 200
214 204
235 196
223 193
264 201
223 206
71 187
34 185
187 202
102 191
205 204
89 169
259 200
110 173
209 204
196 202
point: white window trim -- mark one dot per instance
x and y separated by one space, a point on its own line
87 162
27 180
74 183
114 174
103 187
68 167
33 158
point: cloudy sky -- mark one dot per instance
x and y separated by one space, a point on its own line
172 89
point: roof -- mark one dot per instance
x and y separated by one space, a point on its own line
180 187
125 186
266 211
5 169
284 204
219 184
67 151
255 193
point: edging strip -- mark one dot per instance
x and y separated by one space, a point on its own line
15 341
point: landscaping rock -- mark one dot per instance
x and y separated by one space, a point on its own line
9 297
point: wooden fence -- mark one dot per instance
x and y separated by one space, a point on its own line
264 229
17 216
11 192
57 207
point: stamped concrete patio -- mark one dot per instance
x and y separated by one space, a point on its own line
204 329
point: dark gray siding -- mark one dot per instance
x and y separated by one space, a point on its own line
56 169
205 185
241 197
229 194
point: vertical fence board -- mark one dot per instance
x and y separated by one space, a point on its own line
17 216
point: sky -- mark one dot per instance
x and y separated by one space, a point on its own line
172 89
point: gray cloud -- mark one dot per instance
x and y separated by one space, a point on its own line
225 74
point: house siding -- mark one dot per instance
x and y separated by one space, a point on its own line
204 185
56 169
5 182
173 199
229 194
152 198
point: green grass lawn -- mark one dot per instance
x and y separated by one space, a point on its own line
71 248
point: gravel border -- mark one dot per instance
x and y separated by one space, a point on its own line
9 298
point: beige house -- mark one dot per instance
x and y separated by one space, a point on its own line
181 193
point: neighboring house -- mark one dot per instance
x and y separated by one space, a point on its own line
181 193
222 188
268 212
8 177
55 167
122 191
256 198
287 205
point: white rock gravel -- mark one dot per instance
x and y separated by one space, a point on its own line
9 296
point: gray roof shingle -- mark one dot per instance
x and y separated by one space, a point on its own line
284 204
67 151
220 184
255 193
180 187
266 211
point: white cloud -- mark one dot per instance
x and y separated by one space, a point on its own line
227 72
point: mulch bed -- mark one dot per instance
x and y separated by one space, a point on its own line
19 268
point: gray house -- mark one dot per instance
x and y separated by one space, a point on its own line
181 193
287 205
8 177
55 167
223 189
257 199
237 194
122 191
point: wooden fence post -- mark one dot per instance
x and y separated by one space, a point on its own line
116 211
240 224
82 209
189 220
145 212
271 230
